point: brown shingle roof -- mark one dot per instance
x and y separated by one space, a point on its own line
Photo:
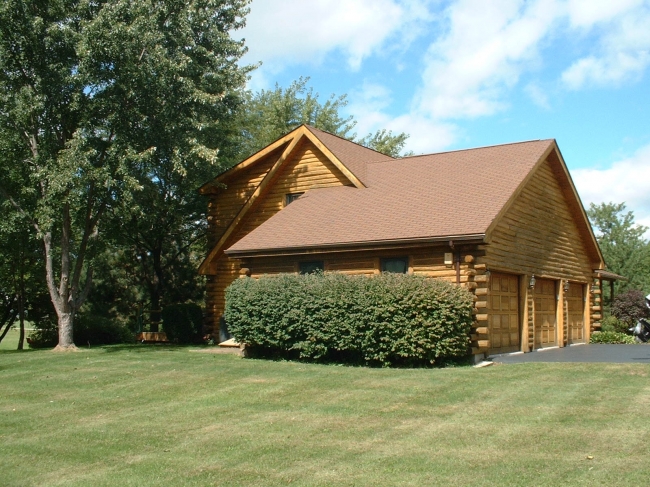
353 156
439 195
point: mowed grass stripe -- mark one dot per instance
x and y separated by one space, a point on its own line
142 415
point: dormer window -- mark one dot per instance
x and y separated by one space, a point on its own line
290 197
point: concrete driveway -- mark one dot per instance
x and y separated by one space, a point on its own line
616 354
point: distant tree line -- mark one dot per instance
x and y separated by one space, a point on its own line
623 243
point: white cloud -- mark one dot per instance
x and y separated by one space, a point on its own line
285 32
586 13
488 45
623 50
627 180
611 69
426 135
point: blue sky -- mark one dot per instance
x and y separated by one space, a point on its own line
469 73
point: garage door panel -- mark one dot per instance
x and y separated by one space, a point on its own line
504 313
545 313
575 313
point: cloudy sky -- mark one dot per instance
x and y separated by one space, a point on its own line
468 73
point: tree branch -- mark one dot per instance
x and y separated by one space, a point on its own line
88 230
64 286
49 272
86 290
16 205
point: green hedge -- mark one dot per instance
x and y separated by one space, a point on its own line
611 337
389 319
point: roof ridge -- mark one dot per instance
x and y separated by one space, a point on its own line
312 128
475 148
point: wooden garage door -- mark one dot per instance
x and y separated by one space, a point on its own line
575 314
504 313
545 313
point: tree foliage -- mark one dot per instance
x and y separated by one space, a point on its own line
270 114
622 242
104 99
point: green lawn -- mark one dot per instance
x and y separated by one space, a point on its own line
149 415
10 341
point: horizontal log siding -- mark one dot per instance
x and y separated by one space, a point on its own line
226 271
433 265
538 234
307 169
272 267
424 262
355 264
225 203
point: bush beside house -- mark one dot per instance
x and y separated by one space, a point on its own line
629 306
390 319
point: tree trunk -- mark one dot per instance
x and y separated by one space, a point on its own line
64 298
66 341
21 316
21 302
156 290
154 312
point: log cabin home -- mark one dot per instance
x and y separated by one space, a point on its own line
505 222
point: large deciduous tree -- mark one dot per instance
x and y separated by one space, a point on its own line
106 98
625 249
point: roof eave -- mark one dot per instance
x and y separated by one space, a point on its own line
477 238
609 276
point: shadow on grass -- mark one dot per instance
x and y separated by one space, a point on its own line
355 359
121 348
149 347
24 350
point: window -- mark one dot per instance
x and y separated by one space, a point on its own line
398 265
311 266
289 198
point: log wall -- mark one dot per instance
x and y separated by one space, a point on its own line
538 234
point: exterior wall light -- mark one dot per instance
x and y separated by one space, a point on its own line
566 286
531 284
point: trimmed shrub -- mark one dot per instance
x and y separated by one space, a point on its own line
389 319
612 323
611 337
629 307
183 323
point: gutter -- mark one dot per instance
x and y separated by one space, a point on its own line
476 238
